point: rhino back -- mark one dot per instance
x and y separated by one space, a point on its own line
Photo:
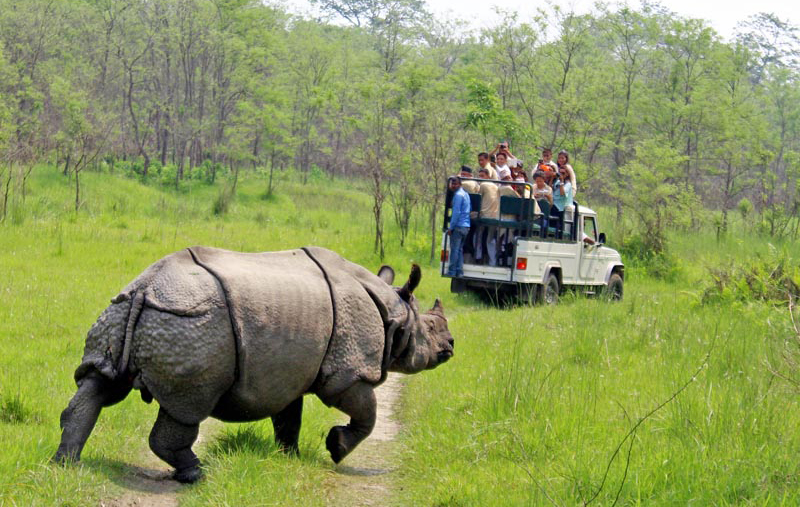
282 315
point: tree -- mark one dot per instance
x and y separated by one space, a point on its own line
774 43
650 189
83 130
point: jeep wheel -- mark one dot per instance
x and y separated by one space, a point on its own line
614 289
548 293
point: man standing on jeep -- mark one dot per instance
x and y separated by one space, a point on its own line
459 227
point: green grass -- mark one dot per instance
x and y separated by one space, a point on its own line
528 412
544 396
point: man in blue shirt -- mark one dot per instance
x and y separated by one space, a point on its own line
459 227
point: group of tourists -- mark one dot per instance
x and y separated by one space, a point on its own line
552 188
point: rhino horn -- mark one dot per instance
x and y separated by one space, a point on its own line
411 284
386 273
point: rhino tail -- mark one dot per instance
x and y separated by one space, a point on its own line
133 317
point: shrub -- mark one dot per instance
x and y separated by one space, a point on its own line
745 208
13 410
168 174
774 279
223 201
662 265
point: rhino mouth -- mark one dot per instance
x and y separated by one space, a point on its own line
443 356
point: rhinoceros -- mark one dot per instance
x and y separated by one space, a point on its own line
243 336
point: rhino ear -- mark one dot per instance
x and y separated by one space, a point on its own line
386 273
437 306
411 284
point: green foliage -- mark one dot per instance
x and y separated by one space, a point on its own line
168 174
745 208
223 201
650 190
774 278
14 410
638 252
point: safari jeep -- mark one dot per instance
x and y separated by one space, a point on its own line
535 260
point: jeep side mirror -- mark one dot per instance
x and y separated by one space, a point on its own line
602 238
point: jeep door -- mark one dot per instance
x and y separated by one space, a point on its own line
592 265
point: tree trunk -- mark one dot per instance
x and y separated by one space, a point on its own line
7 191
77 190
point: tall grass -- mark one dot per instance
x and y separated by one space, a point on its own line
537 400
528 412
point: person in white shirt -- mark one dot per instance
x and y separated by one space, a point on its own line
502 147
502 165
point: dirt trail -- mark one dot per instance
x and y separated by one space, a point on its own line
364 478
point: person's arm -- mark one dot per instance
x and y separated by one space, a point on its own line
454 216
550 196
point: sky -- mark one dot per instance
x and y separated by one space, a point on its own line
722 15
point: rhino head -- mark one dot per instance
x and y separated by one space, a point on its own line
424 341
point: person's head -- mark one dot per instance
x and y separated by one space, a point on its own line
501 159
454 183
466 171
563 157
483 158
563 174
539 179
503 147
483 173
547 154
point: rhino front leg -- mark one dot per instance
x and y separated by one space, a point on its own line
78 419
359 403
286 424
172 441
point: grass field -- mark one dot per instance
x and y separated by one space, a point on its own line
530 411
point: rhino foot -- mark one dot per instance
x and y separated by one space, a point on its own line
335 443
64 458
188 475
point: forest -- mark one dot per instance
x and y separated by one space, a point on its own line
662 118
131 129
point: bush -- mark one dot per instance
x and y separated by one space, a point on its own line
658 264
168 174
14 411
774 279
208 171
223 201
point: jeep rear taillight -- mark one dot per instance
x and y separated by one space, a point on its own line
443 256
522 263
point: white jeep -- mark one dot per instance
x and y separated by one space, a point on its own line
536 261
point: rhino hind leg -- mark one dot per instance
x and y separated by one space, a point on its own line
359 403
172 441
286 424
78 419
